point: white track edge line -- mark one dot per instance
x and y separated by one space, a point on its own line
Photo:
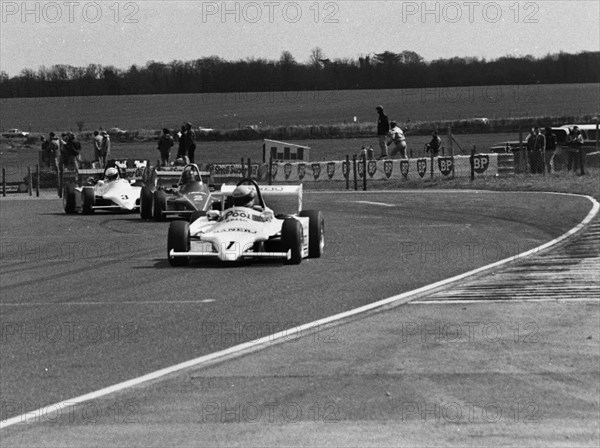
239 349
488 301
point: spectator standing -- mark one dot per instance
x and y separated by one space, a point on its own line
383 130
536 143
182 149
104 148
190 142
165 143
97 147
434 145
69 153
53 151
45 155
398 139
575 142
551 149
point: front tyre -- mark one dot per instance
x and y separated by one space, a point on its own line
146 200
316 232
88 199
68 198
160 205
291 239
179 241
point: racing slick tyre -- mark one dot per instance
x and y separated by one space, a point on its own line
316 232
179 241
197 214
68 198
146 200
88 198
160 205
291 238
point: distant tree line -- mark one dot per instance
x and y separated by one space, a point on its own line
385 70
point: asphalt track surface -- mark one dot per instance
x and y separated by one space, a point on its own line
90 301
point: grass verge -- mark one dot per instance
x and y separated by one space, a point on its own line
562 182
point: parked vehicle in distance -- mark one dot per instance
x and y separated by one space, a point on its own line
15 133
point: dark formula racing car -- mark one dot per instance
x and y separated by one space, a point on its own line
163 198
247 227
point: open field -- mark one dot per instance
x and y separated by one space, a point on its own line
233 110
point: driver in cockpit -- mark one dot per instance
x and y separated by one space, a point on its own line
189 176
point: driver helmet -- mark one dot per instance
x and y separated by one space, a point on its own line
243 196
189 176
111 173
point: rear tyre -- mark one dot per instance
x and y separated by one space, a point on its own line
88 199
291 239
179 241
160 205
316 232
69 199
146 200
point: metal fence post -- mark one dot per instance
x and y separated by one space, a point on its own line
472 162
347 172
37 178
364 164
29 182
270 170
354 171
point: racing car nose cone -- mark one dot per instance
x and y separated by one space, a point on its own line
229 256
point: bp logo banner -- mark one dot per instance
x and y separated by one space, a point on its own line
316 167
388 167
372 167
404 165
481 163
301 170
330 169
421 167
345 169
287 170
361 171
445 165
274 171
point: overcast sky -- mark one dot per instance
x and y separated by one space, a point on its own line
123 33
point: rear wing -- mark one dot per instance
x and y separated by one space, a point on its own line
130 168
282 199
166 176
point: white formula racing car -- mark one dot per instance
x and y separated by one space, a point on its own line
246 227
113 191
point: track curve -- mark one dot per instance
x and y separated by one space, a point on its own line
89 301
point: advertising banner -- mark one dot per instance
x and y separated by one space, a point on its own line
396 169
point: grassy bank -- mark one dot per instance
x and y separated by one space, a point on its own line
562 182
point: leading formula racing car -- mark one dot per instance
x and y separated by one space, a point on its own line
163 199
113 191
246 227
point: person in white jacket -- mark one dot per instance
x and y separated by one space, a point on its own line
398 139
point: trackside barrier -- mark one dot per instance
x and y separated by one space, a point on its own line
443 167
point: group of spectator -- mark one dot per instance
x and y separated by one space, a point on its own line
187 145
101 148
543 149
62 152
389 133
